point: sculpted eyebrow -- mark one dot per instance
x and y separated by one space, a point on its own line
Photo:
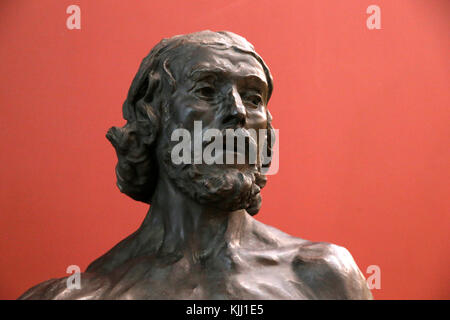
256 82
252 81
197 73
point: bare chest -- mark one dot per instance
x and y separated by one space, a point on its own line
238 277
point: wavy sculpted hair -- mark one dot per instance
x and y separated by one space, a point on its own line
137 167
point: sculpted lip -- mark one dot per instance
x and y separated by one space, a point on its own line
235 150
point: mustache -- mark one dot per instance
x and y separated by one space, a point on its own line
241 139
213 146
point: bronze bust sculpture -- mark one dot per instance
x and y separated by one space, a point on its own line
199 239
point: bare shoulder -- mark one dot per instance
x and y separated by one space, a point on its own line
330 271
92 287
325 270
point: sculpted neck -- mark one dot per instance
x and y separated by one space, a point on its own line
187 228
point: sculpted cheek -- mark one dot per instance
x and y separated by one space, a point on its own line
185 109
257 119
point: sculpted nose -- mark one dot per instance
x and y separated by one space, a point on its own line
236 112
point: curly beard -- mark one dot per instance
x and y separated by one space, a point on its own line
220 186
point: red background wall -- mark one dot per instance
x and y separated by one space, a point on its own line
363 118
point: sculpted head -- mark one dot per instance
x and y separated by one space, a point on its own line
213 78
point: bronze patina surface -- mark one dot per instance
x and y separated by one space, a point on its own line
199 239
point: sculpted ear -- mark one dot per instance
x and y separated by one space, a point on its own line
141 86
146 109
142 118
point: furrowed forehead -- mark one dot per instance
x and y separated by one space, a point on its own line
205 60
200 72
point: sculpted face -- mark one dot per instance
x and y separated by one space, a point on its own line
212 78
224 89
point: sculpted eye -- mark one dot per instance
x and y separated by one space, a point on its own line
254 100
206 92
